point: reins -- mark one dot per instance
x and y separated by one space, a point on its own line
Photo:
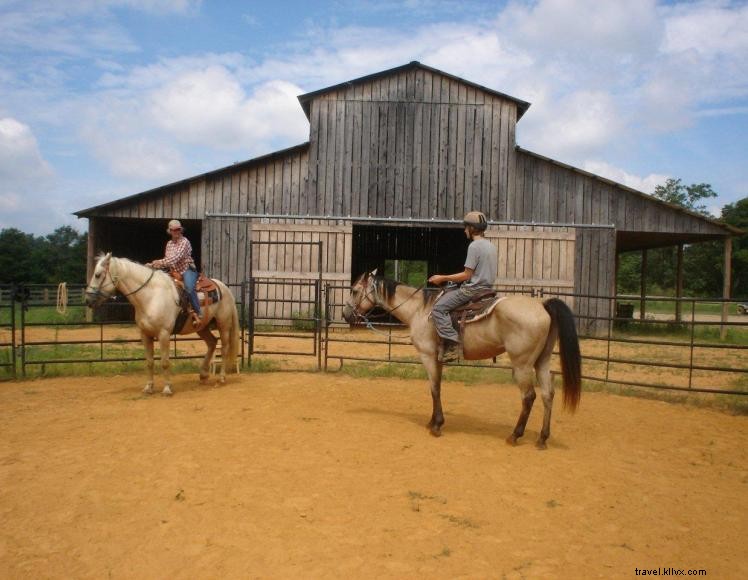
114 280
367 320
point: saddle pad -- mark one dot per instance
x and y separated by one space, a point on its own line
474 315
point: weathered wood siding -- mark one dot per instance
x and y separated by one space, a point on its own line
414 144
535 258
545 191
286 260
275 185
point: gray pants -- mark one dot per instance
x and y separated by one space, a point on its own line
444 305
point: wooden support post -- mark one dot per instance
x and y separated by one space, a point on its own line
679 283
90 258
726 288
643 288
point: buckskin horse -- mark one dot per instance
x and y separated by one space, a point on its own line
523 327
156 300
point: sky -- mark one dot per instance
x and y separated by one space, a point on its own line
104 99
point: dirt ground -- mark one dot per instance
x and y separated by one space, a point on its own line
320 475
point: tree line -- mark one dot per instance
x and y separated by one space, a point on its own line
703 263
51 259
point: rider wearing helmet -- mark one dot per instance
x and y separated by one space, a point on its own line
178 257
481 267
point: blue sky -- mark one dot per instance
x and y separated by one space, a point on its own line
102 99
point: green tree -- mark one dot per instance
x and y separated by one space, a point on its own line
67 250
20 258
688 196
58 257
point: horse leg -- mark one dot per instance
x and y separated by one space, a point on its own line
148 345
211 341
434 372
163 341
223 330
543 371
524 379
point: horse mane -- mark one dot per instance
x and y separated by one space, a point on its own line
386 287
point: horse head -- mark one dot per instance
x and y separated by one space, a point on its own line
362 297
101 287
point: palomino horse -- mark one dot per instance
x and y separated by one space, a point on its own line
525 328
156 301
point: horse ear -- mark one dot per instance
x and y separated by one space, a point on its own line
373 272
108 256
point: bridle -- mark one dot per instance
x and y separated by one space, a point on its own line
373 298
113 280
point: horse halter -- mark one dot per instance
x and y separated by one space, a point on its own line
371 294
97 292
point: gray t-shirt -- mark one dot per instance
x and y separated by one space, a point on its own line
483 260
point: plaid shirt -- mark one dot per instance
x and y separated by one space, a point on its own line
178 255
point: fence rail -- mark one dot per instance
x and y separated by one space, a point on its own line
700 352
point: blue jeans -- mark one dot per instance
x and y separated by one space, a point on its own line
190 279
444 305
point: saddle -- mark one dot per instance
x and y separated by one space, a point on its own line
478 308
207 293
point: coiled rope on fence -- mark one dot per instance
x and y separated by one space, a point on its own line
62 298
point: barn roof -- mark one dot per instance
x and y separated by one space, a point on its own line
645 196
84 213
307 98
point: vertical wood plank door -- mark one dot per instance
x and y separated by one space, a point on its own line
225 248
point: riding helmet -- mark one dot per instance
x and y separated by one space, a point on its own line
475 219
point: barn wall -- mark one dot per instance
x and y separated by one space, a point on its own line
545 191
277 185
535 258
414 144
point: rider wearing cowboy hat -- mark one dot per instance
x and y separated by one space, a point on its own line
481 267
178 257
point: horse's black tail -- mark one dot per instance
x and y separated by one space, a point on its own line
571 360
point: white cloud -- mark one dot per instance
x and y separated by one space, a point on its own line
644 184
573 126
210 107
20 159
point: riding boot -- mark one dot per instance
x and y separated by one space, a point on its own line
449 351
195 318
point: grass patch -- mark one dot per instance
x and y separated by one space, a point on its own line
733 404
737 335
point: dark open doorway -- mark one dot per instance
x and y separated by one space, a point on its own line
443 249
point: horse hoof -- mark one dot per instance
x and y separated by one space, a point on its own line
167 391
204 378
511 440
435 431
541 445
222 381
148 389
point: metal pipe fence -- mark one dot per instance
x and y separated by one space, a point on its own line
44 336
7 331
658 352
700 353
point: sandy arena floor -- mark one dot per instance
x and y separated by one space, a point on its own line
310 475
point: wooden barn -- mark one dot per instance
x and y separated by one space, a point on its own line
393 161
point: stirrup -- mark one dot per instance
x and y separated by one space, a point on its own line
195 319
449 352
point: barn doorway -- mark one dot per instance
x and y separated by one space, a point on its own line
407 251
143 240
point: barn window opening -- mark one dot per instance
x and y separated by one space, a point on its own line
410 272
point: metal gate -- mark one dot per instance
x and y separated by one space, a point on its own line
282 309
